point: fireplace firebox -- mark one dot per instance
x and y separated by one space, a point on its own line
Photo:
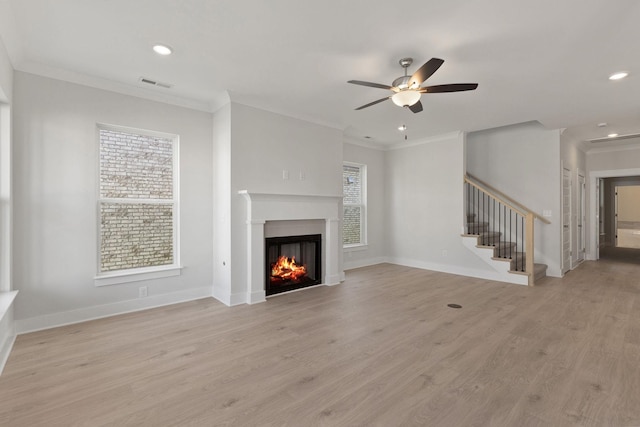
292 262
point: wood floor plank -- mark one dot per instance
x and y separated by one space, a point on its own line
381 349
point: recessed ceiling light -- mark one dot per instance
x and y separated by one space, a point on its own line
619 75
161 49
602 125
402 128
612 135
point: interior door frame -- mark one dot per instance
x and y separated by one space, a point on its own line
582 216
566 268
593 217
615 215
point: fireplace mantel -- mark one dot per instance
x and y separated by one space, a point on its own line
263 207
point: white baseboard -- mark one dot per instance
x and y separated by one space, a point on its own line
254 298
453 269
350 265
54 320
5 350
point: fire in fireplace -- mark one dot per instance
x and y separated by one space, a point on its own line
292 262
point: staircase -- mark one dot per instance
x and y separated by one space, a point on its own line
500 231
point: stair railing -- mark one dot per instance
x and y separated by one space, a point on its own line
491 213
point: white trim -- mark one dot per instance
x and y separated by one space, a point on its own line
599 150
581 207
592 236
451 269
263 207
6 301
54 320
139 131
137 91
5 350
355 247
362 168
137 274
501 267
350 265
154 272
364 144
566 268
428 140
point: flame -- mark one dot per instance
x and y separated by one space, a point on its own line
287 269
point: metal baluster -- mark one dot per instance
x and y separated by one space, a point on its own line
510 231
468 188
516 242
494 222
523 266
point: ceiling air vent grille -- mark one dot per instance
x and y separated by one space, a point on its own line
155 83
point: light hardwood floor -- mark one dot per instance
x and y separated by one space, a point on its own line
381 349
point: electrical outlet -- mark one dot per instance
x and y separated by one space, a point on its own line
285 174
303 176
143 291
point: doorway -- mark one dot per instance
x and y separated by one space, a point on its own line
627 216
600 221
581 218
566 220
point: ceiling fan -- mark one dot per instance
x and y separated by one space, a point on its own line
408 90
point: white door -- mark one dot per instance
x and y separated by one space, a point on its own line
615 217
566 220
581 218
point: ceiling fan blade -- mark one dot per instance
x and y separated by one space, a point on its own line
378 85
456 87
373 103
416 108
424 72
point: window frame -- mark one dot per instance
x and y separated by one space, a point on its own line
362 245
114 277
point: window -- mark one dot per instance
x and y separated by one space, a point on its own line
354 203
138 204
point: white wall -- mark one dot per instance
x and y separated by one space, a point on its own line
263 145
6 76
523 162
424 199
375 251
624 157
55 184
222 204
7 328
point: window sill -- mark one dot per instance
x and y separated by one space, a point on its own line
353 248
136 275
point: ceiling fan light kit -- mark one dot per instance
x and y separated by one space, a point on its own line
408 90
405 98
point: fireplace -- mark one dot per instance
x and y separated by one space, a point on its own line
292 262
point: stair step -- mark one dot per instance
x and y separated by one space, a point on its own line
503 249
477 227
518 261
489 237
539 271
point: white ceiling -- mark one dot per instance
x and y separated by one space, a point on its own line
544 60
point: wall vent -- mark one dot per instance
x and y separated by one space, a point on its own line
155 83
617 138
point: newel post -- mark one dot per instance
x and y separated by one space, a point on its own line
529 248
